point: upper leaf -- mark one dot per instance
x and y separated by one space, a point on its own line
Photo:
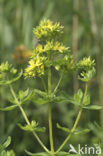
32 127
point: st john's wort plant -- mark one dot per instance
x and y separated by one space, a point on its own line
49 54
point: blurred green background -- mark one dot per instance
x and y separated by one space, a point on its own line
83 32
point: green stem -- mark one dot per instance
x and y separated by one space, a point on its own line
44 85
26 119
13 93
73 129
75 124
34 133
50 113
24 115
58 83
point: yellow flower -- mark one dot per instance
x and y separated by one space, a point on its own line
47 29
36 67
59 47
40 48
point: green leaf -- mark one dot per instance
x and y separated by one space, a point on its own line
7 153
8 108
82 131
41 93
13 101
40 101
3 153
5 144
46 154
93 107
23 94
11 81
32 127
66 99
63 128
26 127
10 153
78 96
86 100
66 154
37 154
87 76
28 97
98 130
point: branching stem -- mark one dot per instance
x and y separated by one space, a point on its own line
26 119
75 124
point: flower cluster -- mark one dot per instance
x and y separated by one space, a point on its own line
47 30
36 67
49 51
87 69
86 63
51 46
6 69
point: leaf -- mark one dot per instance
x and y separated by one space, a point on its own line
10 153
3 153
93 107
66 99
32 127
23 94
40 101
86 100
98 130
13 101
41 93
40 129
87 76
26 127
11 81
9 108
63 128
46 154
82 131
37 154
66 154
28 97
5 144
78 96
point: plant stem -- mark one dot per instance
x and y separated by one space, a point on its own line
86 89
34 133
44 85
76 122
13 93
73 129
50 113
58 83
26 119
